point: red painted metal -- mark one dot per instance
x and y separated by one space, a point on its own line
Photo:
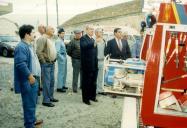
149 117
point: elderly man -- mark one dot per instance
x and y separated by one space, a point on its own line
41 29
26 73
101 43
89 66
73 51
46 52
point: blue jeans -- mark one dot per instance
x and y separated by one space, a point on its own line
76 63
62 73
29 100
48 81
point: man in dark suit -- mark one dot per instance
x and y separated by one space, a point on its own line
89 66
118 48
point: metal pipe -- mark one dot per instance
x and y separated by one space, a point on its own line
57 13
46 12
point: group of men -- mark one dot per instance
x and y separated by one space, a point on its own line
35 62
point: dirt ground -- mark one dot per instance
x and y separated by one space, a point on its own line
69 112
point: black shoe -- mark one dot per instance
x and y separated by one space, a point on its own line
10 89
94 100
74 91
48 104
65 87
87 102
53 100
39 94
61 90
40 88
114 96
102 93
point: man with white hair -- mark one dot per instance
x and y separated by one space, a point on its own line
89 66
41 29
46 52
101 43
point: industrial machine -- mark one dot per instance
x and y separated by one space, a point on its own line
125 77
164 101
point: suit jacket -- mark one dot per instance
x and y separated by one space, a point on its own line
22 67
89 61
115 52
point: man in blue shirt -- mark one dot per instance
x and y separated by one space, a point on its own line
26 73
62 62
136 49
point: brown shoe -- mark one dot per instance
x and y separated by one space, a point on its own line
38 122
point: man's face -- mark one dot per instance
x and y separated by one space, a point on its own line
90 31
118 34
31 36
99 33
50 31
61 35
41 29
78 35
125 36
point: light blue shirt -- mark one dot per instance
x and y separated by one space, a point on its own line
60 49
100 50
137 47
36 69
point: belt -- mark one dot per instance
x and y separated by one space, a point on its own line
101 59
76 58
52 62
36 77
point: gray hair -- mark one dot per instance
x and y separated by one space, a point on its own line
98 30
89 26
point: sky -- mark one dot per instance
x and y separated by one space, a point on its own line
34 11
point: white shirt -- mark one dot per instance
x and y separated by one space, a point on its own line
120 46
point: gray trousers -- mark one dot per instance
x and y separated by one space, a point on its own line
76 63
100 76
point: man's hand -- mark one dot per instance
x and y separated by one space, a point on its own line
31 79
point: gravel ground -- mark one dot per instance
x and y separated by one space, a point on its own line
69 112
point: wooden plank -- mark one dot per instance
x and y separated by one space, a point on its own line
129 116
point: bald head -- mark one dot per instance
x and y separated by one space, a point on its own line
50 31
41 29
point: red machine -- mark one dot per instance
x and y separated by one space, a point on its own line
164 102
